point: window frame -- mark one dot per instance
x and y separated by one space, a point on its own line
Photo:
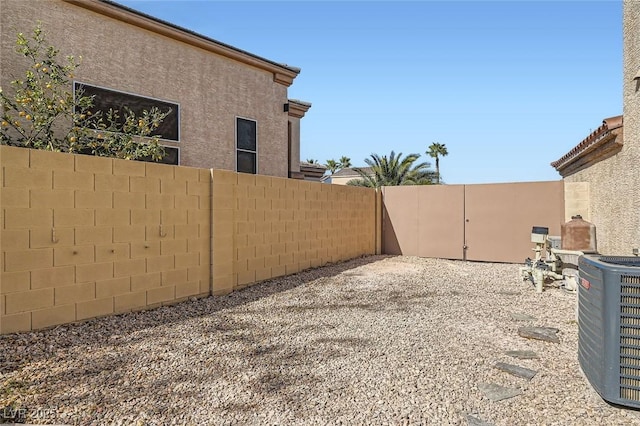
173 103
237 118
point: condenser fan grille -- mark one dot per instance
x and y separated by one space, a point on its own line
630 394
631 279
629 331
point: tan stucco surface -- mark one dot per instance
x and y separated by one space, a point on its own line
481 222
212 90
342 180
614 194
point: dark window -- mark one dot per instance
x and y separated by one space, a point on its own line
246 142
105 99
246 162
171 156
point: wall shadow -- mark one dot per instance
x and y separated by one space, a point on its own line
390 243
18 349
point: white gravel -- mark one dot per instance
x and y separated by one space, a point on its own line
377 340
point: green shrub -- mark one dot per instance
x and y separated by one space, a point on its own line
42 112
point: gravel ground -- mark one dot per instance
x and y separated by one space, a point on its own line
377 340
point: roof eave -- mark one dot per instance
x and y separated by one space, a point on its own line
607 145
282 74
298 108
602 143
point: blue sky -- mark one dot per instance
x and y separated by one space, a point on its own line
508 86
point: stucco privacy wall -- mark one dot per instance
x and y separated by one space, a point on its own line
266 227
85 236
480 222
211 89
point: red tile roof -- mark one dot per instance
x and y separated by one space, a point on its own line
590 142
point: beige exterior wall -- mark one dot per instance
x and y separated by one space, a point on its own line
614 183
342 180
614 200
86 236
210 88
577 200
267 227
294 147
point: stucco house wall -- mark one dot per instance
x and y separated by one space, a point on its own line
130 52
613 206
612 181
343 176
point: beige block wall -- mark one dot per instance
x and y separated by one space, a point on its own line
85 236
266 227
211 89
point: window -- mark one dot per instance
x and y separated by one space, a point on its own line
105 99
171 156
246 146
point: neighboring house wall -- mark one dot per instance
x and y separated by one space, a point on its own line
296 109
125 51
312 172
342 180
343 176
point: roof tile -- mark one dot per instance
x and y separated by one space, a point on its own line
608 124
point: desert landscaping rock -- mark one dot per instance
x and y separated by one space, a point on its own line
377 340
548 334
516 370
522 317
475 421
523 354
509 293
497 392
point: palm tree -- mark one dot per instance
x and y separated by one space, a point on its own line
332 165
345 162
393 171
312 161
436 150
